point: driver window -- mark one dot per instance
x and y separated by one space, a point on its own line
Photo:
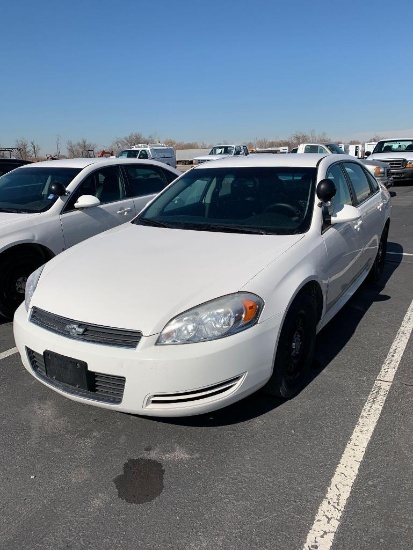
86 187
106 184
342 195
359 181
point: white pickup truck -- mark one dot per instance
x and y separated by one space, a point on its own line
398 153
222 151
382 171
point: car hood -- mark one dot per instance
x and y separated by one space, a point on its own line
140 277
7 218
391 155
375 162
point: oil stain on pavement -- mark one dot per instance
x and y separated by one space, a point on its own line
141 481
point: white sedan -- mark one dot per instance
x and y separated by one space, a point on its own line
216 289
46 207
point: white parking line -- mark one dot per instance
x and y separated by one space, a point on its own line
329 514
7 353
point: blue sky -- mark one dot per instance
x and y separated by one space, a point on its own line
204 71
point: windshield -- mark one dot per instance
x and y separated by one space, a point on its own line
222 150
335 148
242 200
394 146
27 189
129 154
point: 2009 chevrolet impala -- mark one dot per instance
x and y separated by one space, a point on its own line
216 289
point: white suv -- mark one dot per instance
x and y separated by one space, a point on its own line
46 207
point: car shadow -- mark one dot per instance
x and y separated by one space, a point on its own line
335 336
330 341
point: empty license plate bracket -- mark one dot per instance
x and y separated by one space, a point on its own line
66 370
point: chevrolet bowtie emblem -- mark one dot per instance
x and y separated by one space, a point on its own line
75 330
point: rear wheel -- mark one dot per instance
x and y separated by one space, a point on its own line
14 271
295 350
377 268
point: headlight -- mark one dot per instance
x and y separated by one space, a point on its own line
409 164
216 319
379 172
31 285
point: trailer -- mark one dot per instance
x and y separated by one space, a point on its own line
369 146
186 156
356 150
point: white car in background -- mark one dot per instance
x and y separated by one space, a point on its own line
47 207
380 170
151 151
222 151
216 289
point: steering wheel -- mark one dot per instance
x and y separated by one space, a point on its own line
282 206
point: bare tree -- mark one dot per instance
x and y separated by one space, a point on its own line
81 148
57 146
34 149
23 148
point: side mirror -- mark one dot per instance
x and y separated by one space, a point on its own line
86 201
347 213
57 188
326 189
367 154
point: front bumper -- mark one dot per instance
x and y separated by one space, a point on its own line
175 380
402 174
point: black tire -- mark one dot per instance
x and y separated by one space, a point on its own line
377 268
14 270
295 350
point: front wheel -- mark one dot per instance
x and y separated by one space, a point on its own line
295 350
14 271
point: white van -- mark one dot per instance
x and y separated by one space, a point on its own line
154 151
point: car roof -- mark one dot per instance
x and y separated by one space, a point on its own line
306 160
84 162
13 160
396 139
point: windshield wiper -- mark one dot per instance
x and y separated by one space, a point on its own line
154 223
204 227
13 211
224 228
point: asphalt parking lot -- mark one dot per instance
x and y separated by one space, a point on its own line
259 474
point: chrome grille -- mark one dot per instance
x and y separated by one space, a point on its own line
85 332
106 388
396 163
